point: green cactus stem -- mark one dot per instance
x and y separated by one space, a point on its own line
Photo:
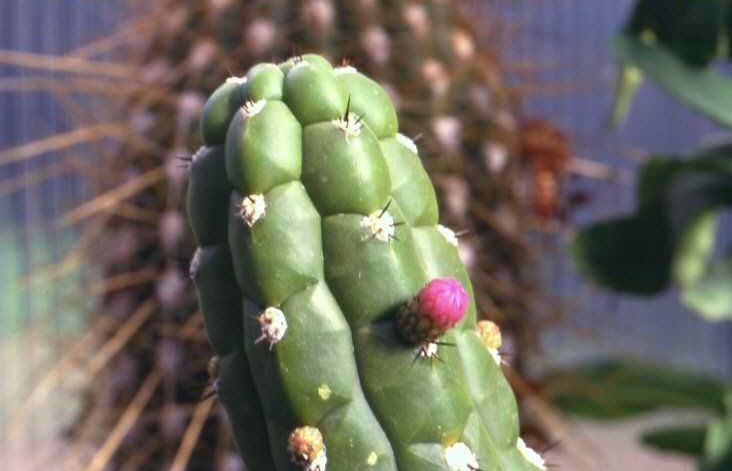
333 244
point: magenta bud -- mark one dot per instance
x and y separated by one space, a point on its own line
438 306
443 301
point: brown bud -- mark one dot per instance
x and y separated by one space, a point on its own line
306 448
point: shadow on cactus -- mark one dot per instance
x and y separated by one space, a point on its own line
340 310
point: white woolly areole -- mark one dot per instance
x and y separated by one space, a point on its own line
236 80
319 463
460 458
407 142
350 125
346 69
448 234
495 354
201 150
252 208
214 365
299 62
530 455
273 324
379 225
427 350
195 264
251 108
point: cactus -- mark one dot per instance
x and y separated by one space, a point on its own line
342 311
447 86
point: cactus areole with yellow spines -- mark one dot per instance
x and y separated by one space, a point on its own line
343 317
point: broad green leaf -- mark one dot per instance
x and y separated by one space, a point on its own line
718 443
694 31
711 295
692 189
706 282
694 192
655 177
633 253
694 249
670 233
703 89
711 444
630 254
658 172
616 389
714 159
685 439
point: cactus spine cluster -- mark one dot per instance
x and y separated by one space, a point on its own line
341 311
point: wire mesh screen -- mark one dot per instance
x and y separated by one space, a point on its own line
561 56
51 134
58 127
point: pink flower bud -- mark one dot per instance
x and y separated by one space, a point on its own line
438 306
443 301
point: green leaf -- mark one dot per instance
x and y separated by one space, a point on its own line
617 389
703 89
655 177
694 191
706 283
718 444
695 249
693 31
668 234
628 82
685 439
710 444
711 296
630 254
634 253
691 189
